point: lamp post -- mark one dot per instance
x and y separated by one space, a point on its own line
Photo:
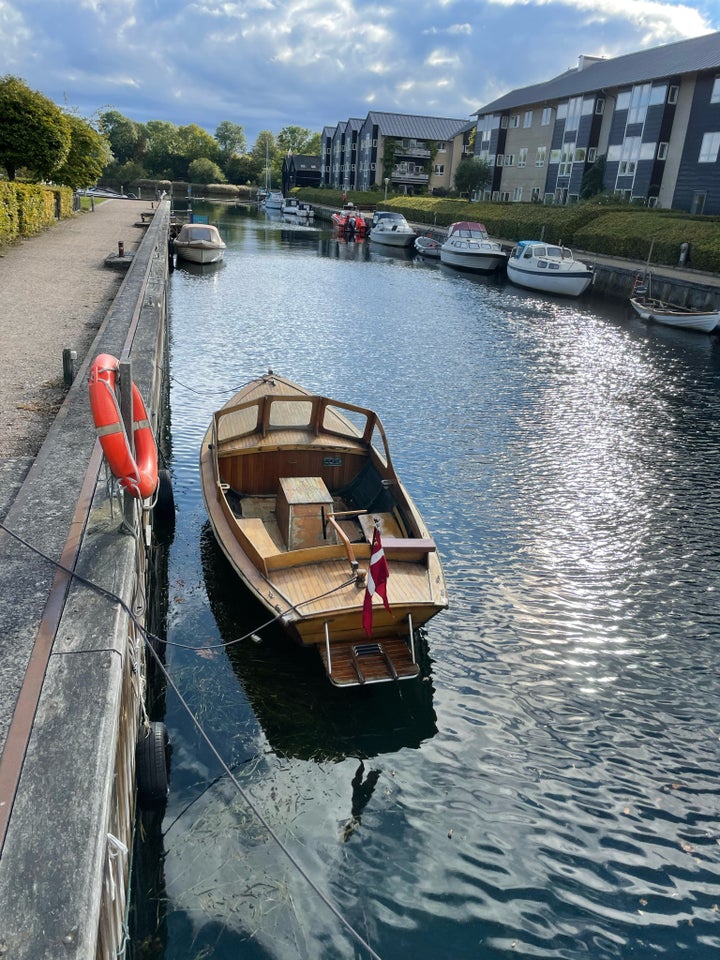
387 181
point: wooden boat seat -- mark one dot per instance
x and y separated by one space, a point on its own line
257 542
387 524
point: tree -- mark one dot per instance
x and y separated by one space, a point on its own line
127 139
87 157
195 143
593 179
34 133
294 140
163 151
231 139
472 175
203 170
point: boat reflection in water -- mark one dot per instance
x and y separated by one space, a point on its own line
302 715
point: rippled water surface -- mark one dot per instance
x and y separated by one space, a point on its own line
550 788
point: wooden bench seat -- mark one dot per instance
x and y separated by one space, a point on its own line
256 541
387 525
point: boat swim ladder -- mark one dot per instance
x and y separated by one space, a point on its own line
360 649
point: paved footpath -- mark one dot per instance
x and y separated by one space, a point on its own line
55 291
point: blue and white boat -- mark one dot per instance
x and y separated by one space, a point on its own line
548 267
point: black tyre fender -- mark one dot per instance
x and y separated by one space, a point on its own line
152 767
165 501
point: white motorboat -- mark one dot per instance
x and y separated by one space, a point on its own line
274 200
468 247
393 230
292 207
548 267
199 243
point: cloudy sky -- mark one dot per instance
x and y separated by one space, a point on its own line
267 64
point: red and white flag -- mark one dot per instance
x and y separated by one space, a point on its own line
376 581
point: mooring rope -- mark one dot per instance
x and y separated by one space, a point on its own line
148 638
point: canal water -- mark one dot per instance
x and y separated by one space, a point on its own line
549 788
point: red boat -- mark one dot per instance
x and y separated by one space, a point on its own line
349 220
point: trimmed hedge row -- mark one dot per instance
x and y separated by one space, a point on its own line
616 230
26 209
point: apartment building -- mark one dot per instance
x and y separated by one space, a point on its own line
401 152
652 119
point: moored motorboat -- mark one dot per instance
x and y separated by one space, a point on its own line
349 220
648 307
297 486
394 231
199 243
274 200
548 267
468 247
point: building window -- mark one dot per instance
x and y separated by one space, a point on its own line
566 160
503 123
541 156
709 148
673 94
439 169
505 197
517 195
580 155
662 150
629 156
574 112
623 100
535 195
522 157
592 154
499 160
600 106
515 120
555 156
495 196
546 116
509 159
715 95
442 147
639 99
527 118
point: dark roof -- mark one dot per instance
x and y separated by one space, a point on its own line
303 162
423 128
686 56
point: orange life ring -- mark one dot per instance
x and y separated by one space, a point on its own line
139 474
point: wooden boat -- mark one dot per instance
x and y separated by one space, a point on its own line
548 267
650 308
295 484
394 231
349 220
199 243
468 247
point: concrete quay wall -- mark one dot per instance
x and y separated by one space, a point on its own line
72 668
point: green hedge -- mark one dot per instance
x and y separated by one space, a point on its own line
26 209
599 227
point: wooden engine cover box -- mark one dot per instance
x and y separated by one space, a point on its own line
299 512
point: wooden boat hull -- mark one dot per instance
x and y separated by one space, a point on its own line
269 487
669 316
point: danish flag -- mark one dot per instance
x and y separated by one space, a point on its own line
376 581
